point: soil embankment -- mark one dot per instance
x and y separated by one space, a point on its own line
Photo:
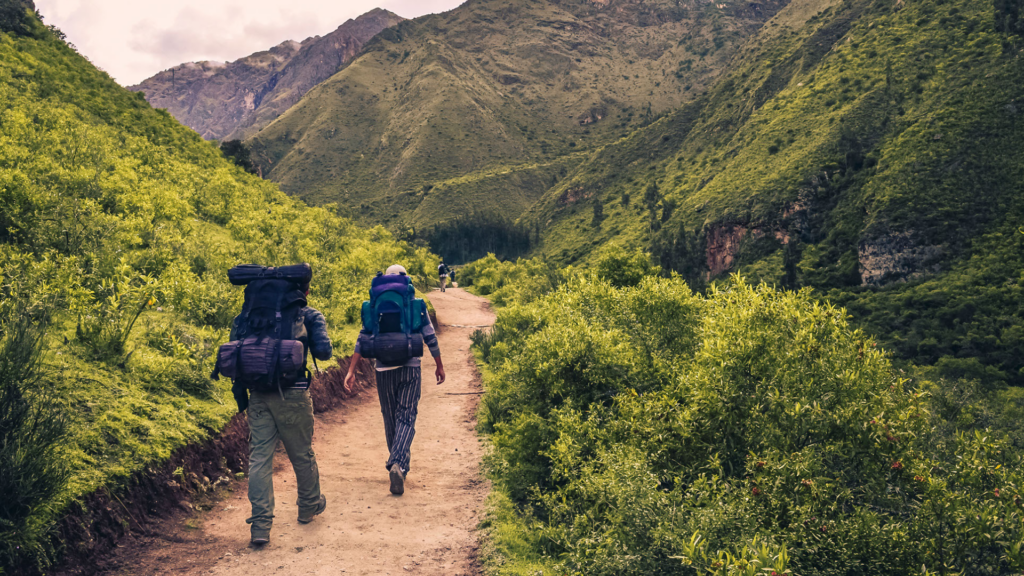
365 530
97 533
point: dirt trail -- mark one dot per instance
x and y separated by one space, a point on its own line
365 530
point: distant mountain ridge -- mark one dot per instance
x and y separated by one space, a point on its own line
482 108
232 100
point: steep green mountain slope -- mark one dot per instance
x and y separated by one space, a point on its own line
117 227
485 107
867 149
230 100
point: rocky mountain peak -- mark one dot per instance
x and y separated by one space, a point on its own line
228 100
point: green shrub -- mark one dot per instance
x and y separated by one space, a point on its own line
105 329
648 430
620 267
506 282
14 16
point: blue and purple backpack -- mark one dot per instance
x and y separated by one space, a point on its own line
392 321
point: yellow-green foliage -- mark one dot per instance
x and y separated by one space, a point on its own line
508 282
122 224
648 430
879 138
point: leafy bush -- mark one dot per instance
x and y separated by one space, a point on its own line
648 430
237 152
507 282
620 267
14 16
120 301
193 351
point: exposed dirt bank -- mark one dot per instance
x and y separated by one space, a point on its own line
105 524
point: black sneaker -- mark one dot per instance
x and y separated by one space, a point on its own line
308 517
397 480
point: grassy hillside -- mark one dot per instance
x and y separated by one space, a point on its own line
117 227
865 149
483 108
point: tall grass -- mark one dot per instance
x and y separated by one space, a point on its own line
32 428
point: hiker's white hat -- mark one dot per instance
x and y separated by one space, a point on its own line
396 269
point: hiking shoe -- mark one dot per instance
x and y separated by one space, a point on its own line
397 480
308 517
259 537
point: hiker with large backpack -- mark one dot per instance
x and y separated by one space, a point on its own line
442 275
266 361
396 327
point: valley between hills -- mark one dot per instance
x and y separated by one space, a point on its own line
756 271
862 149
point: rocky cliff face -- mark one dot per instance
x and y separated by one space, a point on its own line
896 257
228 101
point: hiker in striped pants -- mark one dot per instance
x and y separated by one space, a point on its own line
398 388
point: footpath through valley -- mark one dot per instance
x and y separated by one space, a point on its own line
365 530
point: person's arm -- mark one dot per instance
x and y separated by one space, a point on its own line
319 340
357 357
430 339
238 390
350 378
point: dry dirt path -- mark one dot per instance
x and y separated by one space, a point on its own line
365 530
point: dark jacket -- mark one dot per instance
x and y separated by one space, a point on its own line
317 341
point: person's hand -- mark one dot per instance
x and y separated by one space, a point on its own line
350 378
439 373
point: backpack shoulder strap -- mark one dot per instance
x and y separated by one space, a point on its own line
409 311
277 313
243 324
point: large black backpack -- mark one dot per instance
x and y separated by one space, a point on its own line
269 350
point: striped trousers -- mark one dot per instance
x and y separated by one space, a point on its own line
399 394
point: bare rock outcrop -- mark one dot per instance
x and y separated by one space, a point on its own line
895 257
231 100
574 195
723 245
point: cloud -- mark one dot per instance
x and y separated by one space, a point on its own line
194 35
134 39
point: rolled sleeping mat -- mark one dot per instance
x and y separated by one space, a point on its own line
257 357
391 348
245 273
395 283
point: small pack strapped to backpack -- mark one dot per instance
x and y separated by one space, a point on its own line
392 320
270 351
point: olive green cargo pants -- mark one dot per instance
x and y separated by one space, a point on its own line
291 421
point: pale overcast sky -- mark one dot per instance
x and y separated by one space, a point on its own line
134 39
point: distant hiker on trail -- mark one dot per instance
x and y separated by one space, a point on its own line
442 272
395 328
451 274
266 359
